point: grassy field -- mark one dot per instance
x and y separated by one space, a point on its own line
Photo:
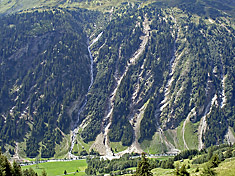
190 135
153 146
226 168
179 136
62 149
117 147
168 136
81 145
58 168
101 5
160 171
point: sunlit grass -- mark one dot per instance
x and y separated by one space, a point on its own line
58 168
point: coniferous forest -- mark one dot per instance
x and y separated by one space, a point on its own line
160 78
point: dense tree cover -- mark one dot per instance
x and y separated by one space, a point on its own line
121 39
12 129
45 67
200 83
158 55
195 81
8 169
222 116
166 164
212 157
221 151
206 8
143 167
121 129
148 123
186 154
98 166
217 127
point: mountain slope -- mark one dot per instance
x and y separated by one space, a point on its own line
163 78
181 71
44 76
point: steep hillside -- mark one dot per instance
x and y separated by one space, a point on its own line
45 73
156 77
164 67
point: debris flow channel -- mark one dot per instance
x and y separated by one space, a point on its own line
75 127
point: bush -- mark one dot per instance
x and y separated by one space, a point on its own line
214 161
207 171
83 153
181 171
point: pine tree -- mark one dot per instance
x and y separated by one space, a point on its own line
181 171
214 161
207 171
16 169
1 172
44 173
143 168
228 153
29 172
7 169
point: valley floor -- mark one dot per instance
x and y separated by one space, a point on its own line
58 168
226 168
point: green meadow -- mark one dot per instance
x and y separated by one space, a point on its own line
58 168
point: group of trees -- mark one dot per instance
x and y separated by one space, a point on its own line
8 169
101 166
11 130
181 171
223 78
212 157
216 131
121 129
222 151
143 168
